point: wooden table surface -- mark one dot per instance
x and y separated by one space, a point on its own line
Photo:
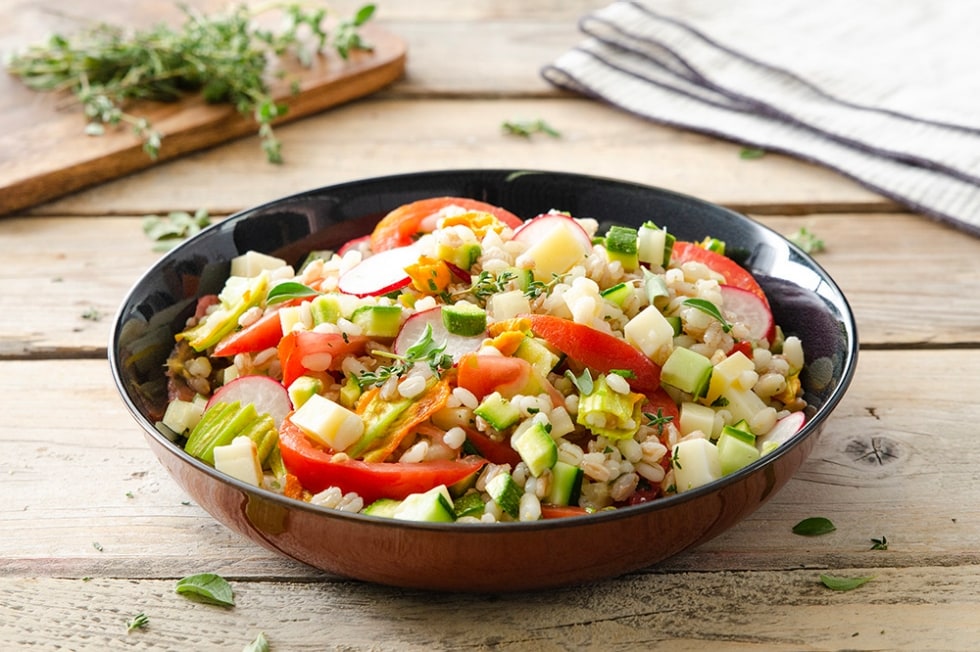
94 531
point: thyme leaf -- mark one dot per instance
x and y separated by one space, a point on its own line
224 57
139 621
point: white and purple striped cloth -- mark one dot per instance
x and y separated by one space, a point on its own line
885 91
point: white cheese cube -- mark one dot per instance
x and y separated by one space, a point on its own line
240 460
507 305
696 417
556 253
695 463
252 263
649 331
328 423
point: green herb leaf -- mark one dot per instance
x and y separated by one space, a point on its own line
288 291
879 544
527 128
260 644
751 153
814 526
207 587
225 57
658 420
583 383
169 230
139 621
709 308
807 241
843 583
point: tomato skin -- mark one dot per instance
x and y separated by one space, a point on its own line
597 350
398 228
484 374
561 511
316 470
296 345
261 335
734 273
661 400
498 452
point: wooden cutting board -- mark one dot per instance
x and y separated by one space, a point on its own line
45 153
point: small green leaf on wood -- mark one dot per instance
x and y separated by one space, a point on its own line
838 583
814 526
207 587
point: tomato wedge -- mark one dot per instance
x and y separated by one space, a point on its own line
484 374
498 452
399 227
734 273
316 470
261 335
296 345
596 350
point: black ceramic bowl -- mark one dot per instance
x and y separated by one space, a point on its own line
471 557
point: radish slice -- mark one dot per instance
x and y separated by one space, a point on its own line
266 394
784 429
746 307
537 229
380 273
354 244
414 327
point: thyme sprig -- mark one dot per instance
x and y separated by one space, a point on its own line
224 57
425 350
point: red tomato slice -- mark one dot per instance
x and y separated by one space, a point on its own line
316 470
398 228
261 335
661 400
296 345
498 452
599 351
484 374
734 273
561 511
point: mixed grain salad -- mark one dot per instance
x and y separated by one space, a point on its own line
460 364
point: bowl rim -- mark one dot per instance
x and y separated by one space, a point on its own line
812 425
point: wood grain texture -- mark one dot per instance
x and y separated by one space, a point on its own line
45 153
69 257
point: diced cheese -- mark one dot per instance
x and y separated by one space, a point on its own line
649 331
328 423
251 263
507 305
556 253
650 245
696 417
240 460
695 463
182 416
726 374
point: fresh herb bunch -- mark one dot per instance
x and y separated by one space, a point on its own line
424 350
223 57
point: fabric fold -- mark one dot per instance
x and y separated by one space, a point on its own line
668 61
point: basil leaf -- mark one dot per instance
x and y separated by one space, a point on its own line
289 290
708 308
814 526
843 583
207 587
260 644
583 383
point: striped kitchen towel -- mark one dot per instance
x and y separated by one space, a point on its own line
885 91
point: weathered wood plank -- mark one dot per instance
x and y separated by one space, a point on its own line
900 609
413 135
883 442
915 267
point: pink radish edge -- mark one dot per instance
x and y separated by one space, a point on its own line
414 327
266 394
752 311
379 273
535 229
